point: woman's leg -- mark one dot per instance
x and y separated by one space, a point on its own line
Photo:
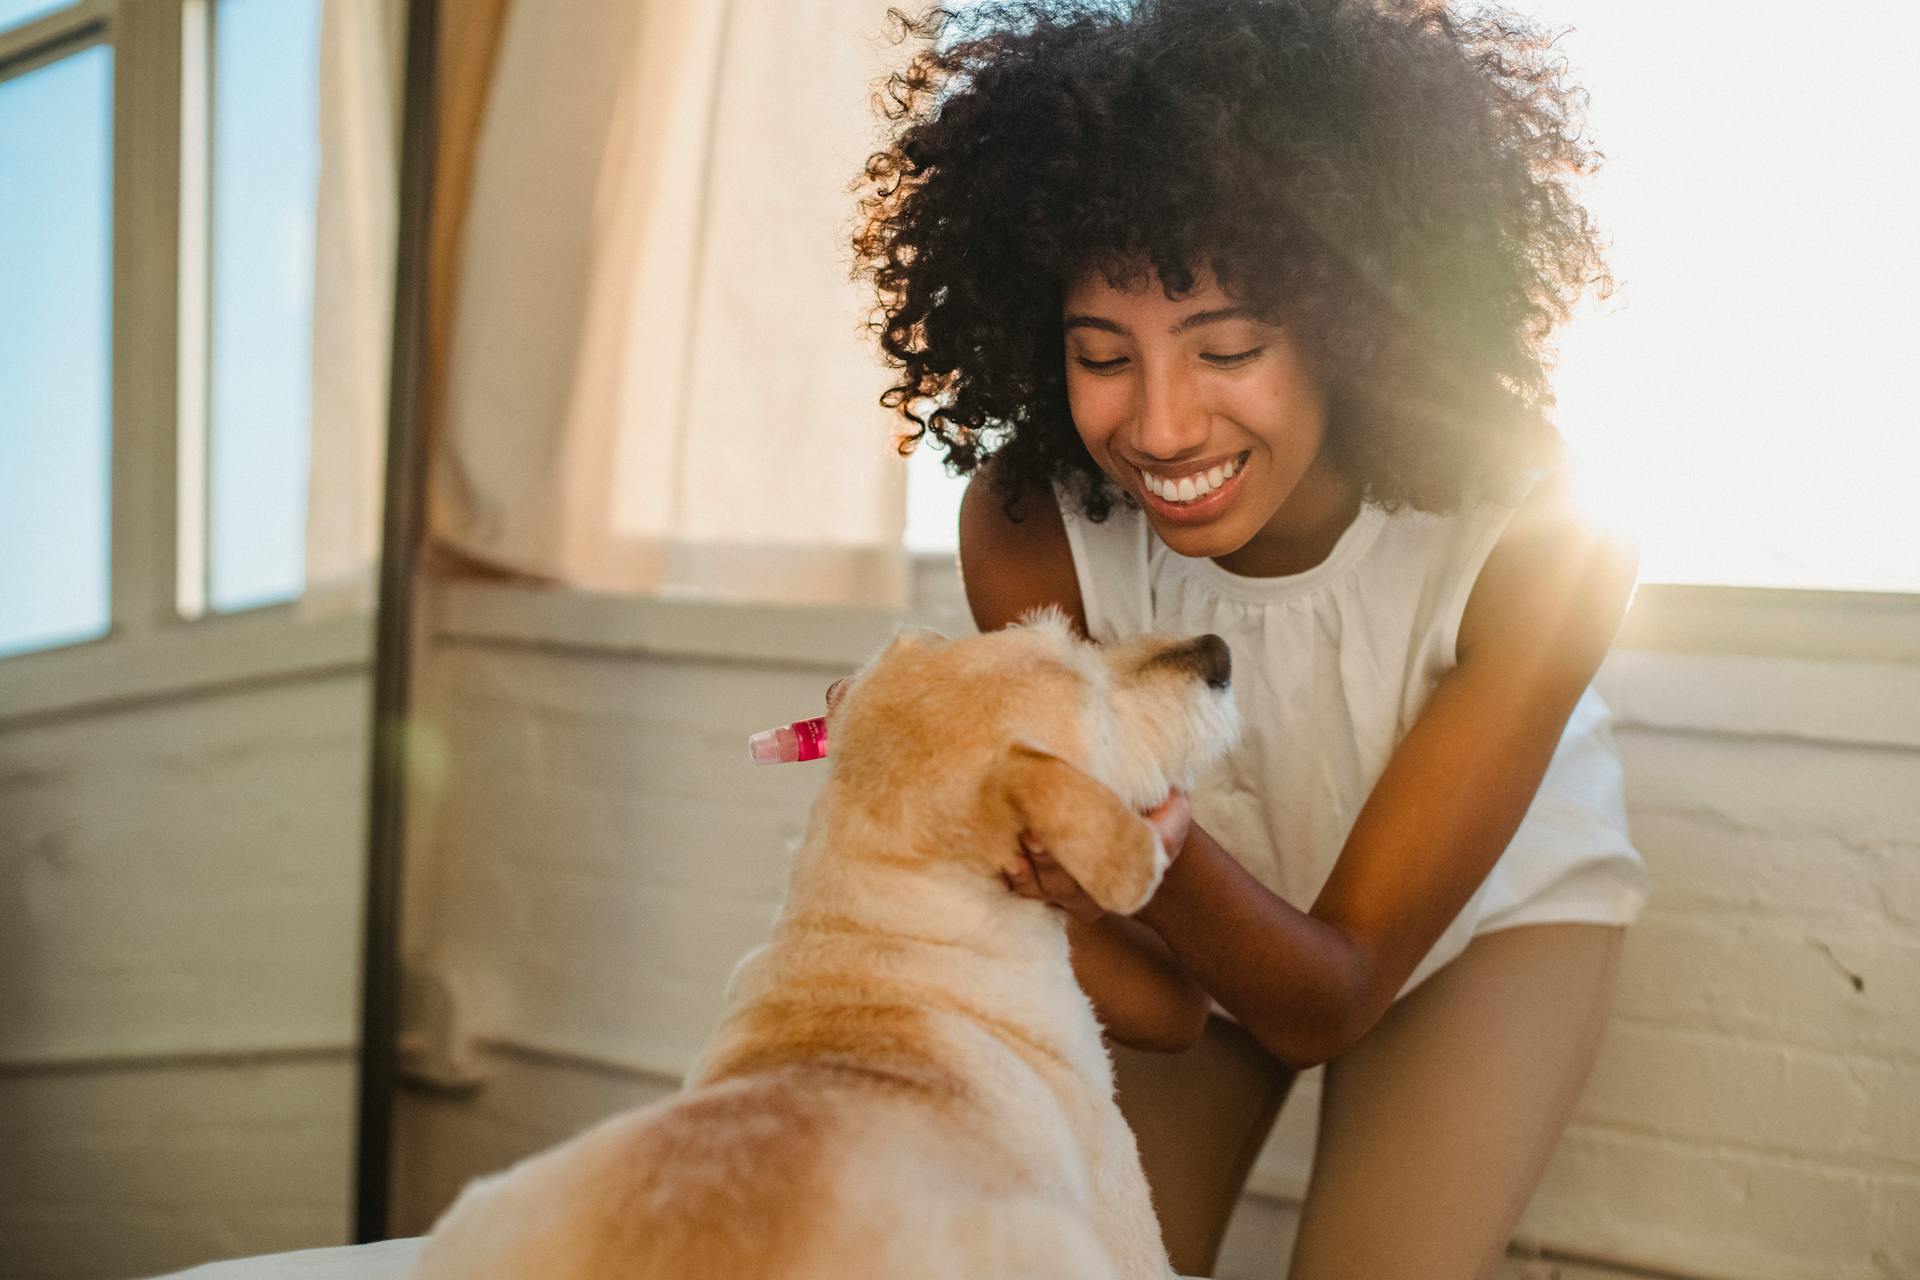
1200 1118
1436 1126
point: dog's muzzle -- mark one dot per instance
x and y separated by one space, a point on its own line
1206 656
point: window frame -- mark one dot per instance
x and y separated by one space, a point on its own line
1704 620
152 646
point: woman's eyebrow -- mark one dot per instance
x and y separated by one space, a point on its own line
1199 318
1101 323
1078 320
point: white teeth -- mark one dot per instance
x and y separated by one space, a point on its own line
1193 487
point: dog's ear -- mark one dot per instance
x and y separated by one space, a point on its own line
909 638
1109 849
905 640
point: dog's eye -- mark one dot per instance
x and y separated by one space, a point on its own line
836 691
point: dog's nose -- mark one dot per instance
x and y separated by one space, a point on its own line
1214 661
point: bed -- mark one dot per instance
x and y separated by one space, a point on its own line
388 1260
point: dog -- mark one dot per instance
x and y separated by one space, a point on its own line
907 1083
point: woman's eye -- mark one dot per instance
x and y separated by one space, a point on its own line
1100 366
1229 361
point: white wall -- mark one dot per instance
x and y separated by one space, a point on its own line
598 853
180 878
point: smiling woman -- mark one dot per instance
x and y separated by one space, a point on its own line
1238 310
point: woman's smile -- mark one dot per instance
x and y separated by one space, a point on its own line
1191 494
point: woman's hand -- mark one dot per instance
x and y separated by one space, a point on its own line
1034 873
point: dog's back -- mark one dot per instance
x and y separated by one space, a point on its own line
795 1173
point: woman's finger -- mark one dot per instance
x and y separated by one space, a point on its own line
1036 875
1171 819
1063 890
1021 878
1054 879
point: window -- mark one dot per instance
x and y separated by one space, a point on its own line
219 101
14 13
264 176
56 251
1741 401
933 504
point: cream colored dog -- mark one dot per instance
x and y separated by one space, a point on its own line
907 1083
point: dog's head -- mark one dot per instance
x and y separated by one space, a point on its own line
953 747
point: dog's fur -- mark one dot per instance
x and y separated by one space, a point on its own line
907 1082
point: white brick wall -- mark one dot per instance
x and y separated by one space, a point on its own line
148 1166
601 853
1754 1112
179 955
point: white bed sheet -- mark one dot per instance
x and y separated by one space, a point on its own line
387 1260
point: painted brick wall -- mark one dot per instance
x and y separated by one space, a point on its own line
599 853
142 1167
179 919
1756 1110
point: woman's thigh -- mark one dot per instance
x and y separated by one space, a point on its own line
1436 1126
1200 1118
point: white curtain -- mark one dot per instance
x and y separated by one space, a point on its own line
355 218
657 377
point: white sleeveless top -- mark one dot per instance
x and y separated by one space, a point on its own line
1330 668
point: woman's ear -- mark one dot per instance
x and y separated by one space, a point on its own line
1109 849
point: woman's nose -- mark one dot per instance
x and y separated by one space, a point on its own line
1169 420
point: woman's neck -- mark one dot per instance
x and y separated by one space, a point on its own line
1302 533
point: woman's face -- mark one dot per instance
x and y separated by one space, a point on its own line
1207 415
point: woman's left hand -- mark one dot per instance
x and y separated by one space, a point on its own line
1036 875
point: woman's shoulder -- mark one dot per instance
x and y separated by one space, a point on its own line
1544 516
1015 557
1557 572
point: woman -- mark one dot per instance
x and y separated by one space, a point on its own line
1237 310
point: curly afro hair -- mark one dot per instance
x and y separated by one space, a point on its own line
1389 179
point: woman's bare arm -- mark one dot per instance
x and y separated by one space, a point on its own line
1308 984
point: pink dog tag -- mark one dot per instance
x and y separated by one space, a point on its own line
801 740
